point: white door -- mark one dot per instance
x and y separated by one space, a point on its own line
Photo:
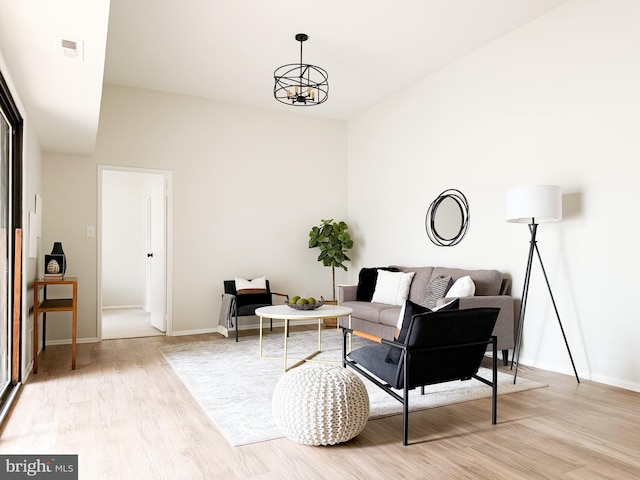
156 253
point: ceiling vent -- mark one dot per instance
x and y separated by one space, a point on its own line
70 48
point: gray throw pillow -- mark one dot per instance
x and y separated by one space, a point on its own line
435 290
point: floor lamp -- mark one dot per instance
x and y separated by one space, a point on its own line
533 205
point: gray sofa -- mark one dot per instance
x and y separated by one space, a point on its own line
492 290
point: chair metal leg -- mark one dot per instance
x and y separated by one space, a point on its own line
494 393
405 417
405 404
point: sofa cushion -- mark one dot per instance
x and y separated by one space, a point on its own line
435 290
389 316
487 282
392 288
411 309
369 311
367 282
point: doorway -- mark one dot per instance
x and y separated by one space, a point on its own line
134 252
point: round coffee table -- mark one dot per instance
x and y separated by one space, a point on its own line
286 313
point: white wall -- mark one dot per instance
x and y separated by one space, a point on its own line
69 197
32 267
248 186
555 102
124 231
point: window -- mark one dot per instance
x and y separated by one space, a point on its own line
10 220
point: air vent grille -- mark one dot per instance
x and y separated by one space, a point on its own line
70 48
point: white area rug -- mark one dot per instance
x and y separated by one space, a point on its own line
234 386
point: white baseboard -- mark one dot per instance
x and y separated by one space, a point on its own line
116 307
607 380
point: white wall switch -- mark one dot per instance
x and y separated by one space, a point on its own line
91 231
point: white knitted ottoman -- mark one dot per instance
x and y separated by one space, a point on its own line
320 405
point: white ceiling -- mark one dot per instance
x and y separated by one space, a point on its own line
228 49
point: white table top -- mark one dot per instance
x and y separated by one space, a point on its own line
285 312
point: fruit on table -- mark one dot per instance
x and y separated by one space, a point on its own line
298 300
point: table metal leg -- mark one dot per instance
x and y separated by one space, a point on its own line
260 337
286 334
285 351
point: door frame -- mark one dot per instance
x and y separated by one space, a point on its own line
168 181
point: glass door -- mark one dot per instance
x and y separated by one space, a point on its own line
10 220
5 255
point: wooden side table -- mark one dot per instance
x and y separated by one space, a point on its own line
54 305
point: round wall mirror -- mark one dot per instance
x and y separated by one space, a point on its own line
447 218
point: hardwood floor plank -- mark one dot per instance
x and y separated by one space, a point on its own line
127 415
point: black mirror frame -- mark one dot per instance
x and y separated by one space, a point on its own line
429 222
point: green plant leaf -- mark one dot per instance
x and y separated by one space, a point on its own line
333 240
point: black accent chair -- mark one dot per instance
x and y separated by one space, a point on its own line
245 305
439 347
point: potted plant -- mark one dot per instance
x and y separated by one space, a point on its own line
333 240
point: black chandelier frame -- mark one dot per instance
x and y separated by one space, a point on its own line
301 84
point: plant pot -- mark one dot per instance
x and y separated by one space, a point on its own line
330 322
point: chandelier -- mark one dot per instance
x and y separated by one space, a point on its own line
301 84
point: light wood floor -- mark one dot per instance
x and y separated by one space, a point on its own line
127 323
127 416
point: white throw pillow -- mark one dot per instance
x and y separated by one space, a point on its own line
392 288
434 309
401 318
463 287
257 285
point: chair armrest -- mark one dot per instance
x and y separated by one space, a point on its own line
347 293
367 336
281 295
373 338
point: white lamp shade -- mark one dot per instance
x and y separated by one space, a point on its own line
534 204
